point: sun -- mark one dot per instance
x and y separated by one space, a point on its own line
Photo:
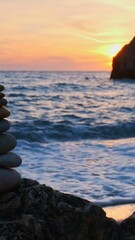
109 50
112 50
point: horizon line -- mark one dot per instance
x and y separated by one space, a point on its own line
55 70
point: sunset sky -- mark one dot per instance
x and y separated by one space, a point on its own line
63 34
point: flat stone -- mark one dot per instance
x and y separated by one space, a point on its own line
2 95
4 125
4 113
9 179
1 88
7 142
10 160
3 102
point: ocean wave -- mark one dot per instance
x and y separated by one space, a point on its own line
66 130
62 121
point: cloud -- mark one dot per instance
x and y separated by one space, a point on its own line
88 37
58 34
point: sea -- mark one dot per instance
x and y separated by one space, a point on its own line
75 132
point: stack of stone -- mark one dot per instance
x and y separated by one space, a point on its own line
9 178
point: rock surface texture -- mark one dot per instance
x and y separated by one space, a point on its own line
9 178
123 65
33 211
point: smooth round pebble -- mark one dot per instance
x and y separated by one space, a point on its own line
4 113
4 125
2 95
7 142
3 102
9 178
10 160
1 88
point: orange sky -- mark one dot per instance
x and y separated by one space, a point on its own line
63 34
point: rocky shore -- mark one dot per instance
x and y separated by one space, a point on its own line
37 212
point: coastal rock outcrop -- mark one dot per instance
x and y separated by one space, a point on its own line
123 65
37 212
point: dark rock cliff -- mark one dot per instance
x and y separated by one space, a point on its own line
123 65
36 212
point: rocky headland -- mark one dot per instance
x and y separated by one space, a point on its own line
123 65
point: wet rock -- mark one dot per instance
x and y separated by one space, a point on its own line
4 125
128 228
10 160
1 88
7 142
9 178
3 102
124 62
4 113
36 211
2 95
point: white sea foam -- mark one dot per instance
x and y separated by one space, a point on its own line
101 171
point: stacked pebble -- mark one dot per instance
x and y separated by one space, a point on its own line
9 178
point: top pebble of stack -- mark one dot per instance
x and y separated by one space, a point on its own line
1 88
